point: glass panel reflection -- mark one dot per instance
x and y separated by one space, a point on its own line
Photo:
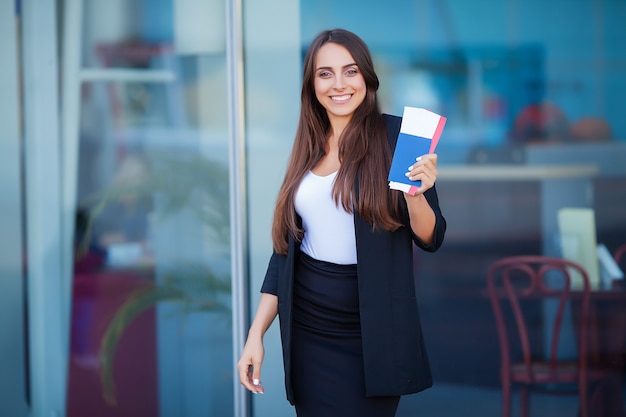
151 312
528 96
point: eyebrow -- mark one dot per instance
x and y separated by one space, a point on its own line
330 68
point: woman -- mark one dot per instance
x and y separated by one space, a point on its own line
341 275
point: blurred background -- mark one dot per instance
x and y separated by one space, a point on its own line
144 141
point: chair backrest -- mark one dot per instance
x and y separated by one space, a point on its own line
513 282
619 254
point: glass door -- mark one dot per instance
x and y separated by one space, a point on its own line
151 322
13 346
273 66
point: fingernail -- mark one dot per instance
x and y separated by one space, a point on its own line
419 158
407 174
410 168
255 381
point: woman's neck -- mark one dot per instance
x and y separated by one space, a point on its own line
337 126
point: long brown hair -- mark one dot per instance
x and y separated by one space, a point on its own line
364 151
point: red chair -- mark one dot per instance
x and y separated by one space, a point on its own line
619 253
522 289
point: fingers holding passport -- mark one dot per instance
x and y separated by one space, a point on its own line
425 170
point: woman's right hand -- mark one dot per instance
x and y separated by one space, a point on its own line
249 365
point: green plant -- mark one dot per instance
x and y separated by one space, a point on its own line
194 288
190 183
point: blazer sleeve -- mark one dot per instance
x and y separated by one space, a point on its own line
392 124
440 223
270 283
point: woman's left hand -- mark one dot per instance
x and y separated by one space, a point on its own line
425 170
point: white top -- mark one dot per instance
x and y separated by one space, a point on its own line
328 229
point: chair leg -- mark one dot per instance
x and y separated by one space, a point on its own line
600 397
506 399
525 401
595 401
584 400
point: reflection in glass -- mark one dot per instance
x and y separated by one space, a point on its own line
526 93
151 331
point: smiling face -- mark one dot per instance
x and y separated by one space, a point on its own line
339 85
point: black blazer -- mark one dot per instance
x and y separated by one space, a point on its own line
394 354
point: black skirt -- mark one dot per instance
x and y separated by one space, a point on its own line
327 367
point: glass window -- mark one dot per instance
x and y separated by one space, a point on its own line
151 330
532 93
13 289
272 78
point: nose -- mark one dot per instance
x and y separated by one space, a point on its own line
339 83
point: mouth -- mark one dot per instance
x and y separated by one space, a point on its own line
341 99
